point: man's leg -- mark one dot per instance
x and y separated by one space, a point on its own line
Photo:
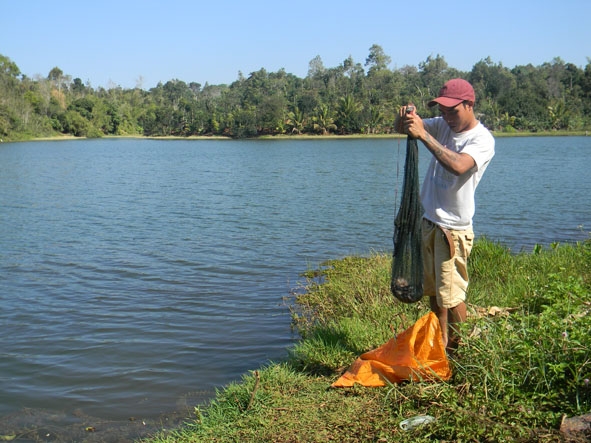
449 319
452 284
456 316
442 314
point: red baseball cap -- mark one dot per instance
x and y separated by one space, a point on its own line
454 92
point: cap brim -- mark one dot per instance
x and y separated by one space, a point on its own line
445 101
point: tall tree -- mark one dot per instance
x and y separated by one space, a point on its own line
377 60
8 68
315 67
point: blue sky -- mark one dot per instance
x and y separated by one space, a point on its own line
110 43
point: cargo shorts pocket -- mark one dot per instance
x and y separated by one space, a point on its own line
464 241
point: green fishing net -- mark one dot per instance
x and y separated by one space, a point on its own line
407 263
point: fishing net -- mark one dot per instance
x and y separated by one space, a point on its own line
407 263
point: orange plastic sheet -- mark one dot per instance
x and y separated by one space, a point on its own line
415 354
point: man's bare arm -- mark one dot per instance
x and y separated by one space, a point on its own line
455 162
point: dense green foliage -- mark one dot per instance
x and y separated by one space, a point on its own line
524 362
347 99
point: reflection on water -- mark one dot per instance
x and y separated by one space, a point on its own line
136 276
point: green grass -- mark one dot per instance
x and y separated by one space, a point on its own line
519 369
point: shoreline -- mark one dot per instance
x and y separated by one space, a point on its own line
64 137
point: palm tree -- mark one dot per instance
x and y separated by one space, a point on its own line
296 120
375 119
323 121
348 113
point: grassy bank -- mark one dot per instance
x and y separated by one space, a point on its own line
524 362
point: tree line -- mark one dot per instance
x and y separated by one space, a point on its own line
351 98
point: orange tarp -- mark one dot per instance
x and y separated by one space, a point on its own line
415 354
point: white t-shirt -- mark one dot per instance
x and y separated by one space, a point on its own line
447 199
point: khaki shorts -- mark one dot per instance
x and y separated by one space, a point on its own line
446 268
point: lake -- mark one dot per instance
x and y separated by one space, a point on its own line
137 276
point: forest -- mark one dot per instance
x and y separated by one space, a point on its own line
352 98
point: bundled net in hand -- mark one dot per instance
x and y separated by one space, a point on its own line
407 263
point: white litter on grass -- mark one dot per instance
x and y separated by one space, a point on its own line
411 423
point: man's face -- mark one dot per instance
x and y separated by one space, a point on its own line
459 118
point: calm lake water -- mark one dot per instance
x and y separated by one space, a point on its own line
136 276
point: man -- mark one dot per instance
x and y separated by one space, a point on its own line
461 149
